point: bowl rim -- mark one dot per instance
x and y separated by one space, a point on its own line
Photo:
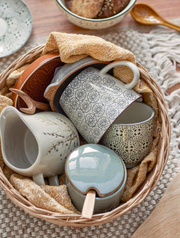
125 10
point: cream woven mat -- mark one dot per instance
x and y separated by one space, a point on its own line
159 53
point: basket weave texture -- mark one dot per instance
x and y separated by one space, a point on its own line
151 179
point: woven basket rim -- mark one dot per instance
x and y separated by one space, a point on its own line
148 185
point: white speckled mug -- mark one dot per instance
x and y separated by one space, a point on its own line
94 99
36 145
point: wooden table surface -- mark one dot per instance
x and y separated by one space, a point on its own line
47 16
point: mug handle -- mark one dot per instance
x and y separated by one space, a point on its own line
53 180
39 180
130 65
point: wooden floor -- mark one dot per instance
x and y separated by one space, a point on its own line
47 17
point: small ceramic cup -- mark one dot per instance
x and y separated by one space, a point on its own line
95 167
93 99
36 145
131 135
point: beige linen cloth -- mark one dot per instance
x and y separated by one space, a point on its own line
71 48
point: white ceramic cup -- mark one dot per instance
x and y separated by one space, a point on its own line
93 99
131 135
36 145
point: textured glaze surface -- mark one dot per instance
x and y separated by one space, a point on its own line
95 166
131 135
93 100
64 76
15 26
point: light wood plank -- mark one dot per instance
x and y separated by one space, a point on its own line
164 221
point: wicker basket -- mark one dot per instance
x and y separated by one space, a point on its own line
151 179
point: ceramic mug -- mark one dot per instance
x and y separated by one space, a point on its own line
64 75
131 135
98 168
94 99
36 145
36 77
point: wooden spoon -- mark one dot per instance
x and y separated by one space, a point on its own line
88 206
165 219
145 14
32 104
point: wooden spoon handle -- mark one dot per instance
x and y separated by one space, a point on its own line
171 25
88 206
31 104
43 106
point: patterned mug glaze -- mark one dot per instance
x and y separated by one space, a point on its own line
37 145
64 75
131 135
93 100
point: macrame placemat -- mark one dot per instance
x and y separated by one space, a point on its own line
159 52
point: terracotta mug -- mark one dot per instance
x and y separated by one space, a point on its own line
37 145
36 77
93 99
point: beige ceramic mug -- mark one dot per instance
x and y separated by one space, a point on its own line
36 145
131 135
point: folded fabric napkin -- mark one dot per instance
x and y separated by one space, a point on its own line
73 47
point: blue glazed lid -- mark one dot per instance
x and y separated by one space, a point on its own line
97 167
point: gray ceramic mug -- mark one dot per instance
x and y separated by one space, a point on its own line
93 100
131 135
